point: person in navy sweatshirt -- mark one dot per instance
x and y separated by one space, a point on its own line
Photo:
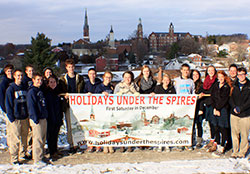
55 115
5 81
38 114
17 114
27 78
92 82
106 88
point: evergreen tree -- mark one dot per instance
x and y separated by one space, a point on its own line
40 54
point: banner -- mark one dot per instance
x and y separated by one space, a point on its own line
129 120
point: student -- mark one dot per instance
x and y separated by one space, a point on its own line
240 114
38 115
206 103
92 81
220 119
146 80
233 72
106 88
5 81
17 114
47 72
55 115
71 82
196 76
184 84
127 86
165 88
27 78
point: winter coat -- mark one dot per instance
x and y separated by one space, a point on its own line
3 87
160 90
102 88
15 102
63 83
89 87
220 96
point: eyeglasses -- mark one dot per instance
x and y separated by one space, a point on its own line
241 74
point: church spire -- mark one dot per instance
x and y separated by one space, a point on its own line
139 31
86 28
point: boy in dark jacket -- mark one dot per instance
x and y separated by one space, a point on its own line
16 108
240 114
71 82
38 115
92 81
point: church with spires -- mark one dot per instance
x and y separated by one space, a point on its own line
159 40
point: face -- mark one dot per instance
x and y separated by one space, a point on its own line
37 81
241 76
221 78
211 71
127 78
18 76
52 83
185 71
233 72
47 73
29 71
8 73
70 68
92 75
165 81
196 76
146 72
107 78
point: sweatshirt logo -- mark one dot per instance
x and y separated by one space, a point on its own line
20 96
41 98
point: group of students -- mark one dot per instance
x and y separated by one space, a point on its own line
34 107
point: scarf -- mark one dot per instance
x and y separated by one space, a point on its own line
145 85
208 82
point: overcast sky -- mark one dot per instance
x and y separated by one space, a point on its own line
62 20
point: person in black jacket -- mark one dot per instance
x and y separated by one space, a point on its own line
196 77
240 114
38 115
206 101
166 87
92 81
55 115
220 119
27 78
146 81
17 114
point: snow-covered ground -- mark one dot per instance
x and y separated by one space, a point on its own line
177 166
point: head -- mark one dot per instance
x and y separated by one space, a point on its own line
18 76
37 80
107 77
52 81
222 76
92 74
185 70
8 69
211 71
29 70
166 80
145 71
233 71
47 72
128 77
241 74
195 75
70 66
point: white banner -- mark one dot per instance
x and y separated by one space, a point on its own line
128 120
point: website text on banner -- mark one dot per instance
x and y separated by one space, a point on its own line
128 120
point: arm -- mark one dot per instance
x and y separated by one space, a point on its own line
224 97
9 104
32 106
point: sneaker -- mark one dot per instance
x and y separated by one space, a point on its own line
216 154
210 144
15 163
213 148
234 155
98 149
89 149
220 149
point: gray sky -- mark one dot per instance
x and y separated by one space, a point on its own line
62 20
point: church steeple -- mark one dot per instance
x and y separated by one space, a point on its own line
139 30
86 28
171 29
111 38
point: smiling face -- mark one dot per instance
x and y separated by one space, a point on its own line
221 78
241 76
8 73
195 76
146 72
29 71
47 73
52 83
18 76
211 71
70 68
165 81
127 78
107 78
37 81
185 72
233 72
92 75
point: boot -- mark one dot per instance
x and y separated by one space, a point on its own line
210 144
199 142
213 148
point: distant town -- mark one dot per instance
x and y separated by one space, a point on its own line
167 49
